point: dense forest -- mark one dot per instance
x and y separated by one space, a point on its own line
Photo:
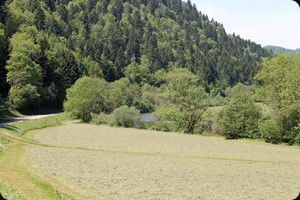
47 45
106 61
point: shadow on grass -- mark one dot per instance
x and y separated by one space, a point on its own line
11 128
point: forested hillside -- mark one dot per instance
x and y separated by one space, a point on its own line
276 50
47 45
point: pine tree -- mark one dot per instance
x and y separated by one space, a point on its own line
39 18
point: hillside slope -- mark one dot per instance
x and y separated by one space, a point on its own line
277 49
61 41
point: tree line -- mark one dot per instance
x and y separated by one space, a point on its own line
268 110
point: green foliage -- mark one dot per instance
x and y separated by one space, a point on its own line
123 116
91 68
166 126
59 42
24 97
240 119
127 117
152 55
24 73
92 95
279 80
101 118
39 18
182 101
33 83
146 98
123 93
3 59
88 95
271 131
217 100
139 73
283 93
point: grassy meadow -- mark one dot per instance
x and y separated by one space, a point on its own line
80 161
101 162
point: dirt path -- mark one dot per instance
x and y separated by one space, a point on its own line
25 118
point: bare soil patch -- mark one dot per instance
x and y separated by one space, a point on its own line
102 162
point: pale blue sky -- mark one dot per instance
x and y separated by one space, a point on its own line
266 22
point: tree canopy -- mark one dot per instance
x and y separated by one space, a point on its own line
66 40
280 88
87 96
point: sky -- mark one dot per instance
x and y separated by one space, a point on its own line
266 22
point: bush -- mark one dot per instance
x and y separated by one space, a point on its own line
270 130
239 121
241 117
101 118
166 126
126 117
217 100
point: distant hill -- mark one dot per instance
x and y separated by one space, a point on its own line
277 49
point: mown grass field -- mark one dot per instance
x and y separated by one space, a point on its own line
100 162
17 179
79 161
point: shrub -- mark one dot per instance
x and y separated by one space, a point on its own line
126 116
166 126
101 118
270 130
240 119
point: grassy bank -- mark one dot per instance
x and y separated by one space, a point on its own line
23 127
9 193
17 180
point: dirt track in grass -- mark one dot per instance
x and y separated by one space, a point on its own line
114 163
